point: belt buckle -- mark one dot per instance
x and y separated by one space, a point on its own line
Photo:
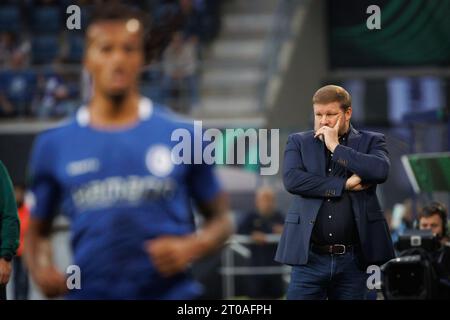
338 246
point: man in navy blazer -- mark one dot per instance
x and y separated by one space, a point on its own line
335 227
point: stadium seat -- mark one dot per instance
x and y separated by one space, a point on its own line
3 81
46 19
152 4
165 12
19 87
75 42
86 13
10 18
44 49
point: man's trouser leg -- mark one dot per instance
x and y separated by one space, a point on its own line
2 292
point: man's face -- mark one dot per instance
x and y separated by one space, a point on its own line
265 202
432 223
114 56
328 114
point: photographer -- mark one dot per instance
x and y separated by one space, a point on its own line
422 267
434 217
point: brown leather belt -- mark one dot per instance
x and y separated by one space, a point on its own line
337 249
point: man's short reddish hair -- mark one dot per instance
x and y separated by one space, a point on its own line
332 93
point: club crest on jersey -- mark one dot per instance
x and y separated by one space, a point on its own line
159 160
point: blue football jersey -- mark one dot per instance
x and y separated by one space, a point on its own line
119 188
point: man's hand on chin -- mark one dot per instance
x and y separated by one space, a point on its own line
329 135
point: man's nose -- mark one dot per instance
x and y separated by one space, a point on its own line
118 56
323 120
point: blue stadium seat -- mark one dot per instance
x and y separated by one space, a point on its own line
46 19
76 47
164 12
152 4
3 81
86 13
10 19
74 89
19 87
44 49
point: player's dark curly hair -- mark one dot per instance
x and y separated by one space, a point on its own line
156 36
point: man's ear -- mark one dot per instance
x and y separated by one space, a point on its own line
348 114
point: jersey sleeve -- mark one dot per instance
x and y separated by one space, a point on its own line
204 183
43 198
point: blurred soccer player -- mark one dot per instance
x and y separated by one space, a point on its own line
110 171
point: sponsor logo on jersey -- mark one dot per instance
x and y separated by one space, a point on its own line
76 168
130 190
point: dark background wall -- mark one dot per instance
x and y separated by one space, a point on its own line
15 151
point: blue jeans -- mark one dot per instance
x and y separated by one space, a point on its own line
336 277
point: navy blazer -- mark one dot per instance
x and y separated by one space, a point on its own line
304 176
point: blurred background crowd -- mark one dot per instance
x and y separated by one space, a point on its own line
40 58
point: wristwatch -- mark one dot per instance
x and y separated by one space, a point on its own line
7 257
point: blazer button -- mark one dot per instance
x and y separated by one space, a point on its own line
311 222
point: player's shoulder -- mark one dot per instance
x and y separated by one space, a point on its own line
170 120
58 132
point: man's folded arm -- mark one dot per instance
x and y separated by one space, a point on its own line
300 182
372 167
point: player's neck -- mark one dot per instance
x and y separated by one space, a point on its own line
105 112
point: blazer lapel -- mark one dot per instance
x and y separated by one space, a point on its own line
354 138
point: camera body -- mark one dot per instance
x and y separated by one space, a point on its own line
413 274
